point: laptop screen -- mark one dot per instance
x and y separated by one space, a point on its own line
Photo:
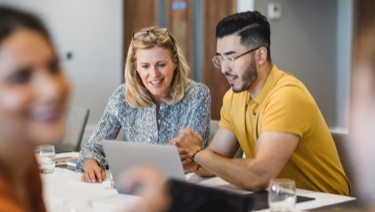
120 155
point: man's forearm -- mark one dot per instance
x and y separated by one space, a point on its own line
237 171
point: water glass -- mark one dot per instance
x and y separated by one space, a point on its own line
110 177
46 156
282 195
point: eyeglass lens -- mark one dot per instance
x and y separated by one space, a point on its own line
229 61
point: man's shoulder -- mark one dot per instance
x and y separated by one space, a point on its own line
287 78
287 84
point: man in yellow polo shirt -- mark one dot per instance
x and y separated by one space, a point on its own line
269 113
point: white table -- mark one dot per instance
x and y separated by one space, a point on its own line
64 187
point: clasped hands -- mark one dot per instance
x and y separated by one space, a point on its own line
187 142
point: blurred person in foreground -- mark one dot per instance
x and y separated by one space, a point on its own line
361 139
155 102
34 94
269 113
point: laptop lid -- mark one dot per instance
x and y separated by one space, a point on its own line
120 155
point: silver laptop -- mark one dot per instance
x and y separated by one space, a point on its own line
120 155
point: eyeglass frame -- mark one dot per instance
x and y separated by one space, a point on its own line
147 32
231 59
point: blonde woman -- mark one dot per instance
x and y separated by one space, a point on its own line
34 94
155 102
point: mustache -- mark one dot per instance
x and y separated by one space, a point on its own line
229 75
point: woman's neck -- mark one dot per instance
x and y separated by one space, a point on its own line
16 158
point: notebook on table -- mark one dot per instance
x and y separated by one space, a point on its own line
121 155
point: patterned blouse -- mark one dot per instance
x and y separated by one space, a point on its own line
140 124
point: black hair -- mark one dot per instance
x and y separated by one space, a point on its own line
251 26
12 19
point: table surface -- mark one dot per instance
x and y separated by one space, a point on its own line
64 187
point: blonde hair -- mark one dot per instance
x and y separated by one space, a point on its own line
136 94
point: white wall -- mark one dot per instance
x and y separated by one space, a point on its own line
92 31
245 5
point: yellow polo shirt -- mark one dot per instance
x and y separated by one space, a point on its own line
285 105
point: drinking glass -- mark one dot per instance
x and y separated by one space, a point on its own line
282 195
110 177
46 156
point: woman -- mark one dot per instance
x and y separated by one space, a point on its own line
157 100
33 99
361 141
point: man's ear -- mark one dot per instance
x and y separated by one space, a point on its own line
262 55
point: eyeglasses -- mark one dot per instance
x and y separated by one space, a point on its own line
156 31
229 61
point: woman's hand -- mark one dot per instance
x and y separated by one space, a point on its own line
93 173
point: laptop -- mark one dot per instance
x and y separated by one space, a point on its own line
120 155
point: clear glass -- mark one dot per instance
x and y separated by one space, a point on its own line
46 157
218 61
110 178
282 195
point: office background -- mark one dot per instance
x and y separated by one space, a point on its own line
312 40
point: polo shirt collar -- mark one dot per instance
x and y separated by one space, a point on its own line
271 80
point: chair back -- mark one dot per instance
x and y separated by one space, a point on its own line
340 140
75 126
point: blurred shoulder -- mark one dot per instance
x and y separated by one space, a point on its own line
197 87
119 93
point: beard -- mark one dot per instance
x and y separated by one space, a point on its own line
248 77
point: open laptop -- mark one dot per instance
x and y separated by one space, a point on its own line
120 155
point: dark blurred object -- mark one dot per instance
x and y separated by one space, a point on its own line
188 197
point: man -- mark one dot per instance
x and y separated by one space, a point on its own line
269 114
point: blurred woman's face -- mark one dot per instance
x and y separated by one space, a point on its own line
34 91
362 133
156 69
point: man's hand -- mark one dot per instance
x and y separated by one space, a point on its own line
188 142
